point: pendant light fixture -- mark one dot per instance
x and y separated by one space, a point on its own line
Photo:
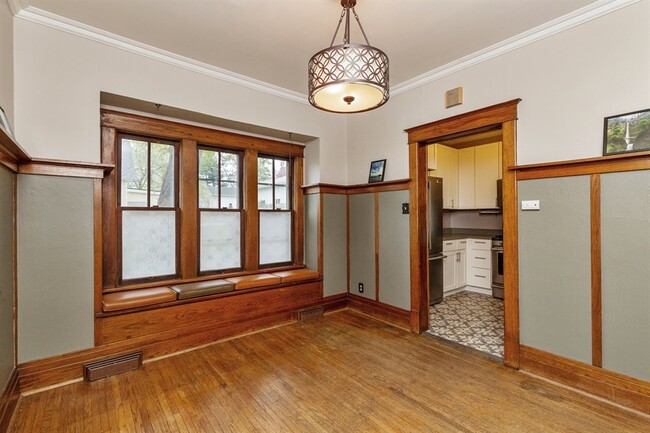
348 78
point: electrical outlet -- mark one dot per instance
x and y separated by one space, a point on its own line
360 287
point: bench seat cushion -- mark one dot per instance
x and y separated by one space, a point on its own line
203 288
295 275
137 298
254 280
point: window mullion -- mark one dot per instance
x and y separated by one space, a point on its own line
251 211
188 190
148 174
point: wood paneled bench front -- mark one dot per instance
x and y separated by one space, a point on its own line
164 320
153 297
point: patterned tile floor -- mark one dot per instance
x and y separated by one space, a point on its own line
470 319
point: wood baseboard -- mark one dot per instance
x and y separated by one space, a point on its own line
385 312
335 302
9 400
615 387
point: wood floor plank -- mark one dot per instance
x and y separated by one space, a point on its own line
343 373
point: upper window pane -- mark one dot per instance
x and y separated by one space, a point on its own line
134 173
273 183
162 175
219 179
147 171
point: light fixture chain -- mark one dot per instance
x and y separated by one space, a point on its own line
360 26
336 32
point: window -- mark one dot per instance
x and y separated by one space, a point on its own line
273 202
220 215
147 207
175 209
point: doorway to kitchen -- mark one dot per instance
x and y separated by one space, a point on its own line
465 227
501 116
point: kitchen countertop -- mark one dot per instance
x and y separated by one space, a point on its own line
452 234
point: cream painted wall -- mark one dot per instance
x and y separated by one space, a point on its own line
567 82
6 60
59 77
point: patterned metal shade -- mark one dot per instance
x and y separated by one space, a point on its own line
348 78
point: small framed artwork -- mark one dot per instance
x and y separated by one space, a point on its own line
4 122
629 132
377 169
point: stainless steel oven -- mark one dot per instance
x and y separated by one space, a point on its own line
497 267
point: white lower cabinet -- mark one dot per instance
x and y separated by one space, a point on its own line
479 264
454 265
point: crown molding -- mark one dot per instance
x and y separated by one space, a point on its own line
76 28
580 16
22 10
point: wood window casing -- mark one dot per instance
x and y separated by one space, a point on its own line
190 139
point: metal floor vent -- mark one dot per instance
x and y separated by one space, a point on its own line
310 314
111 367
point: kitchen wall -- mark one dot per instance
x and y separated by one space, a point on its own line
7 345
471 219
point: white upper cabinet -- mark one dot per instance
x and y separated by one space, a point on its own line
446 163
469 175
486 173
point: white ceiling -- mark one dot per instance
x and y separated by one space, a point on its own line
272 40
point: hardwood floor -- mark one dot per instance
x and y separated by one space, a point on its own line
344 373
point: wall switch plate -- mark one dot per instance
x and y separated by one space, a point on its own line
405 208
530 205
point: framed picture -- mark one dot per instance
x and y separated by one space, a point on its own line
629 132
4 122
377 169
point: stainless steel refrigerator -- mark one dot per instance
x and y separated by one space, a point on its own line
434 226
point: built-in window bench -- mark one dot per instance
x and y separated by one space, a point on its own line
156 297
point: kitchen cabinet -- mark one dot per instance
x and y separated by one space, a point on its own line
466 178
454 265
469 175
445 160
479 263
486 172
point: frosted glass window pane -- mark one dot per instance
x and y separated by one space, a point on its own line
220 240
148 244
275 237
134 173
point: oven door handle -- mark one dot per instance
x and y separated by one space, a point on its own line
498 249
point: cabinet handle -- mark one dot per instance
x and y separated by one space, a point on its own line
458 257
479 276
479 258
